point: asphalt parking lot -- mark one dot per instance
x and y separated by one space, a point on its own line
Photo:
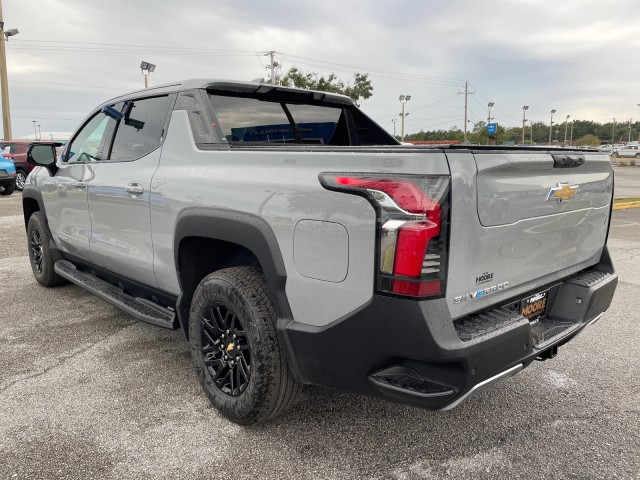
89 392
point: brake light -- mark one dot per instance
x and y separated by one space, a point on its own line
412 228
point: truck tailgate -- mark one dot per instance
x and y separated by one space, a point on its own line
521 220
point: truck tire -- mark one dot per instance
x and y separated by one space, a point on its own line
237 357
8 189
40 257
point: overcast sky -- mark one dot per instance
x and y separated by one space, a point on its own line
578 57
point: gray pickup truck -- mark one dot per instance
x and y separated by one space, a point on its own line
294 242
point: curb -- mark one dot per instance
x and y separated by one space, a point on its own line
625 205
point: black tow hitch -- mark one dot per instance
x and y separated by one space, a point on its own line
549 353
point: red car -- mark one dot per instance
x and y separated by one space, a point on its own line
16 150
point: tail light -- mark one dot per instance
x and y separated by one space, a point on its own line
413 227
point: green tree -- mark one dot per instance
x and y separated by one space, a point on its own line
361 88
588 140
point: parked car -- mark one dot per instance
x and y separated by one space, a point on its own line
605 148
16 150
630 151
7 176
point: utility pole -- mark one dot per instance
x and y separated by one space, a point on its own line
466 95
489 118
551 125
272 65
524 110
630 129
566 124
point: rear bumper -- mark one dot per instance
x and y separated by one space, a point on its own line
413 352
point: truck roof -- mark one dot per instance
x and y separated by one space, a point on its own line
234 86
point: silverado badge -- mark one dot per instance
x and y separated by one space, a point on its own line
563 192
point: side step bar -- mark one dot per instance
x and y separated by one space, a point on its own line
140 308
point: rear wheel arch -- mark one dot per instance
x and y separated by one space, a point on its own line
210 239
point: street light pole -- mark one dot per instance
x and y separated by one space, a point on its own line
566 124
551 126
403 99
394 126
524 110
146 69
613 132
531 130
39 132
571 141
35 132
4 87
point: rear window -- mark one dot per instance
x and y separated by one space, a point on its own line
250 120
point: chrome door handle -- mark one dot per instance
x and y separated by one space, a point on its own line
134 189
79 184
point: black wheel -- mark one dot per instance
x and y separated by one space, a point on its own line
637 155
21 178
614 154
8 189
39 254
235 349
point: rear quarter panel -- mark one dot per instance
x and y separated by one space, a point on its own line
283 188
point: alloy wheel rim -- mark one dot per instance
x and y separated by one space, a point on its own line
20 180
36 249
225 349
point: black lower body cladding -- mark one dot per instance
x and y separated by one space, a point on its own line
411 352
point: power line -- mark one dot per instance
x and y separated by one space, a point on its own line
445 80
496 108
149 52
70 85
48 118
191 49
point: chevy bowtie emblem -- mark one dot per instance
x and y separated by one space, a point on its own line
562 192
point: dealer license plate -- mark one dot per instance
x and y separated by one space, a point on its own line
534 306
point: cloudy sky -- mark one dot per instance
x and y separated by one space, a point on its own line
578 57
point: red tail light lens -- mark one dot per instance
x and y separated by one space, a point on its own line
412 228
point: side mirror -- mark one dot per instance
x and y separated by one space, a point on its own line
44 155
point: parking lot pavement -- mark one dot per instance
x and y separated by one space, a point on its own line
89 392
627 182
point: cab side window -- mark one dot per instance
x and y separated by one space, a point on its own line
85 147
141 129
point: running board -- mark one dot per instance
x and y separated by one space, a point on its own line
140 308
